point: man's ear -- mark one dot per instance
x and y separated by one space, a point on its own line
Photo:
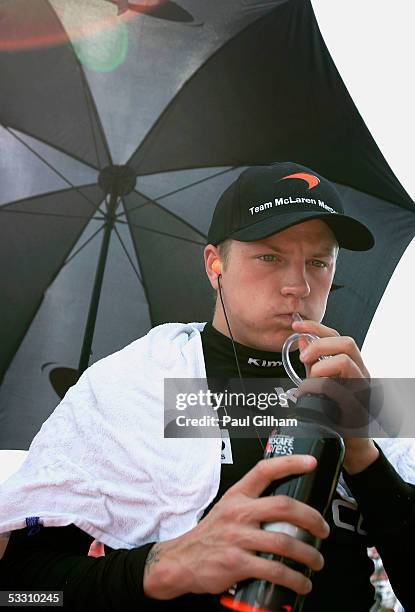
212 264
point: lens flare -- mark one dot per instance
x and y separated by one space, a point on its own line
99 37
78 21
103 51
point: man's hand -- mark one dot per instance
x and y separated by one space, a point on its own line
221 549
345 362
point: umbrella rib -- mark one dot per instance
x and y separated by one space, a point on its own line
47 193
91 104
82 246
128 256
166 195
149 229
56 147
50 166
144 283
90 118
45 214
169 212
138 207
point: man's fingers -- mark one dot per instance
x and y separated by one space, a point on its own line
243 513
312 327
333 345
282 545
268 470
281 508
277 573
340 366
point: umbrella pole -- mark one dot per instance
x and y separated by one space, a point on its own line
96 292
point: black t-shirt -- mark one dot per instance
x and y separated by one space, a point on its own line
56 558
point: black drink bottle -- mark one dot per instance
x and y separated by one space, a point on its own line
315 436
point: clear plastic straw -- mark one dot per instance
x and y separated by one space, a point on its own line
286 351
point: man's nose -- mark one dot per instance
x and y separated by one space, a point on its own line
295 282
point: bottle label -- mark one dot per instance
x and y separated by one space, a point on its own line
279 446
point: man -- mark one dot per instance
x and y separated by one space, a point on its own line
179 527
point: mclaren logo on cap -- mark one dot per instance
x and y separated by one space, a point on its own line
310 179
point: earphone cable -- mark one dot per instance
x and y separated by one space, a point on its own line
236 356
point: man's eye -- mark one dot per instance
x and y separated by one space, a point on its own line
317 263
268 257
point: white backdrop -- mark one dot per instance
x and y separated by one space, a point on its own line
373 46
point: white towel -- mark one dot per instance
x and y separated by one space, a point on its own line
100 460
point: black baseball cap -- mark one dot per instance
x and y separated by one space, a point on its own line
264 200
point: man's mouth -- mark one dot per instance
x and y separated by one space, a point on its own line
286 318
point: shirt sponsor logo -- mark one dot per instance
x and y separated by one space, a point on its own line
263 363
347 516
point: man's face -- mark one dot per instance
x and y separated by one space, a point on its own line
267 280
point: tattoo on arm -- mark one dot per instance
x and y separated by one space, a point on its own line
152 557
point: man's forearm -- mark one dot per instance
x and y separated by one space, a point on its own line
56 559
392 530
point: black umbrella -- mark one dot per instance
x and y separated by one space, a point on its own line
121 125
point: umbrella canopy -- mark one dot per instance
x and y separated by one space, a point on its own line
121 123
